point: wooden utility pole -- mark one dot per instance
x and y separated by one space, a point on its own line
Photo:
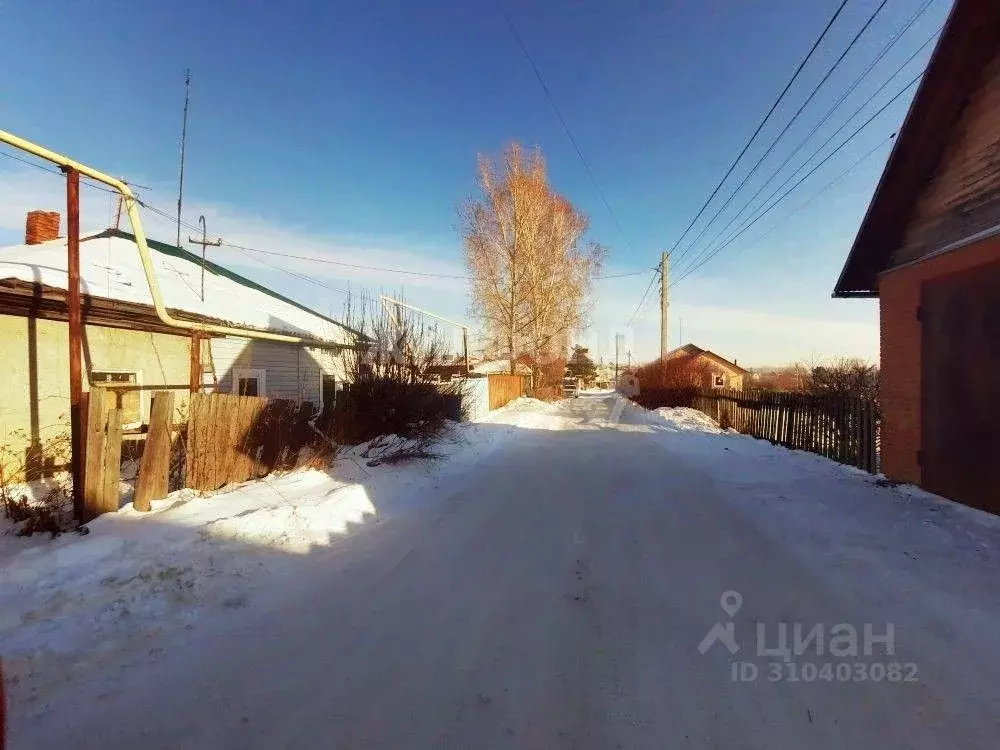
664 303
204 242
75 318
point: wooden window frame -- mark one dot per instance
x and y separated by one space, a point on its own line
250 372
143 396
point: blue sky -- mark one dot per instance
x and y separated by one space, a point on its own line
350 131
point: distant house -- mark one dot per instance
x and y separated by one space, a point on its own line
929 249
125 343
706 369
443 372
500 367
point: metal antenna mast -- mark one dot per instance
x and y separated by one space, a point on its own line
184 127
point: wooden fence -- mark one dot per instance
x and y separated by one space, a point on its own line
844 429
235 438
504 389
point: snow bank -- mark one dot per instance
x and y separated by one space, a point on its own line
66 601
684 418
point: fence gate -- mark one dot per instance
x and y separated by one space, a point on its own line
960 394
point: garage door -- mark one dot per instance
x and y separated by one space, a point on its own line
960 315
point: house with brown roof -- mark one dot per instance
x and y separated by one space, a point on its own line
705 368
929 249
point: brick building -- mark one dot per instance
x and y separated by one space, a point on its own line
929 249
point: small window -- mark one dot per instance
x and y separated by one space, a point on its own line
720 381
130 401
249 382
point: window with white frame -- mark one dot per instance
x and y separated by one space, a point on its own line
129 401
249 381
719 380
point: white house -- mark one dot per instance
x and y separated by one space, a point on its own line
125 342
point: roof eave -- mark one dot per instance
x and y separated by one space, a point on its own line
963 48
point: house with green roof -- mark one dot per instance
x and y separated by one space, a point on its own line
125 342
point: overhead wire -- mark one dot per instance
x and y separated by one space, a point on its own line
854 165
562 120
785 129
843 97
643 299
707 257
760 127
768 201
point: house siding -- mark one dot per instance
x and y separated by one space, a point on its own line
962 197
293 372
34 402
900 389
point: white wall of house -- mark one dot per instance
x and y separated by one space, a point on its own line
285 371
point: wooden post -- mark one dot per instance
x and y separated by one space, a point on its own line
195 374
111 465
75 319
104 451
154 468
96 420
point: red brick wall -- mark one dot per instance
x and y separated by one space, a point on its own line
899 296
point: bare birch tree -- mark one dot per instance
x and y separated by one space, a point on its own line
530 266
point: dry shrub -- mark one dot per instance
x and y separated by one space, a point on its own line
53 511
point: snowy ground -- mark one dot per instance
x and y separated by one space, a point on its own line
546 585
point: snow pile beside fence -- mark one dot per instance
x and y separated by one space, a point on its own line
684 418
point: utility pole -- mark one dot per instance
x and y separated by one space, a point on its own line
184 128
680 332
616 358
664 303
75 320
204 242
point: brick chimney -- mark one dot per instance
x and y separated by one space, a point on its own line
41 226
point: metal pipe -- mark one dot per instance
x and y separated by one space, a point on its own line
75 319
132 209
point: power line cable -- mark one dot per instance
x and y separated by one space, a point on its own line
760 127
643 300
784 130
562 120
832 135
857 81
85 181
707 257
173 218
343 263
818 193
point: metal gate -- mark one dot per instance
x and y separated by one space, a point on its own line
960 430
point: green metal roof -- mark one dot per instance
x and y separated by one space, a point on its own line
178 252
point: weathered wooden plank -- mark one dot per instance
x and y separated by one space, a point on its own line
242 464
93 481
195 406
111 463
153 482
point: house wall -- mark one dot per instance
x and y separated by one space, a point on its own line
900 386
34 399
712 368
293 372
961 198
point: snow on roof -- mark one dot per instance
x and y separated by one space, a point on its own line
110 268
499 366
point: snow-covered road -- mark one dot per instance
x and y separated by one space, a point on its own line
554 592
